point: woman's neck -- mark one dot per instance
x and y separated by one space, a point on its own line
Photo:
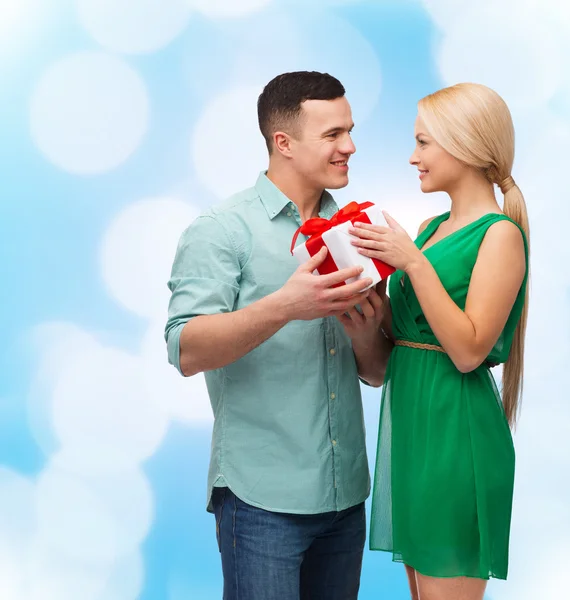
471 198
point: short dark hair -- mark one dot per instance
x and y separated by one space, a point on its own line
279 105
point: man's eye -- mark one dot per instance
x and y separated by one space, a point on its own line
333 135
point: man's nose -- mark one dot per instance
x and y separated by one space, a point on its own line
348 146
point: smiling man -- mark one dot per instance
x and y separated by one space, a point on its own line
288 472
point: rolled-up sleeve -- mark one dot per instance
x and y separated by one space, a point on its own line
204 280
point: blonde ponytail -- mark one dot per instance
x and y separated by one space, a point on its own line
513 370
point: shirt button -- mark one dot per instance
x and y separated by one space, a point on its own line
334 442
288 214
333 396
332 351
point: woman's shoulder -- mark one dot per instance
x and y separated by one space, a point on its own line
427 222
504 230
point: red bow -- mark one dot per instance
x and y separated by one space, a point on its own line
318 226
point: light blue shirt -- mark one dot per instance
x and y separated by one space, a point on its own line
289 429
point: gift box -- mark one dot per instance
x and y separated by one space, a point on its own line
334 235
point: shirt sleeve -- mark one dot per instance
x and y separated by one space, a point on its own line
204 281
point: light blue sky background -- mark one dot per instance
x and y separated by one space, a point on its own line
120 120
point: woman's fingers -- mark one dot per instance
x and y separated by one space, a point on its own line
368 229
373 244
372 254
392 222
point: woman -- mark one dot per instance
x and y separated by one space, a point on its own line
445 467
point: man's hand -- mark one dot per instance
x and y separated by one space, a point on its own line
306 296
364 328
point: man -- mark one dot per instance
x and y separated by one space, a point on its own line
288 475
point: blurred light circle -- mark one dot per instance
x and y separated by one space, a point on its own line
89 112
134 26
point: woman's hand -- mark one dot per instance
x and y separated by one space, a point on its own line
390 245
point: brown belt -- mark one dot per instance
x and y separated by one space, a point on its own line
419 346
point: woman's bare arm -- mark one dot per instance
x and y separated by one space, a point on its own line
468 336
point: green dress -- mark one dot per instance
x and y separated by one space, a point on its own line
443 486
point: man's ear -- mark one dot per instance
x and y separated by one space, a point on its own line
282 143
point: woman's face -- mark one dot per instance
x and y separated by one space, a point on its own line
438 170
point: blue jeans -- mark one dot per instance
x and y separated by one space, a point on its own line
277 556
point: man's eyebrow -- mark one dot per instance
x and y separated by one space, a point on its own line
338 129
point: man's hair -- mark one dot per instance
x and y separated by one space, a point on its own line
279 105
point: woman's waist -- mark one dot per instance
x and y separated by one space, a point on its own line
419 345
434 346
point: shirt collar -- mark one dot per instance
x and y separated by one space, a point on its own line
274 200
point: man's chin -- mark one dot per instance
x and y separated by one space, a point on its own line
337 183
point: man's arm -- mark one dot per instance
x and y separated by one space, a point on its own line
210 342
372 358
370 346
204 333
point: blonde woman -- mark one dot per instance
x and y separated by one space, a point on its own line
445 466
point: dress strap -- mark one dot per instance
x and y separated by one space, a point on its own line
431 227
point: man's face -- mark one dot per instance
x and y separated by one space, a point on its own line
322 147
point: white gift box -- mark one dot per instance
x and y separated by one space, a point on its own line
341 253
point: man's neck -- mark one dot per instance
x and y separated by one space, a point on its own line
307 199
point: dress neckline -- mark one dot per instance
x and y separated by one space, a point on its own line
444 217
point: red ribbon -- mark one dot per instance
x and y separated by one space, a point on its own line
316 227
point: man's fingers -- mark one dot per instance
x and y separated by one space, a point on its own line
356 317
367 307
347 291
381 288
375 300
342 275
347 303
316 260
345 320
